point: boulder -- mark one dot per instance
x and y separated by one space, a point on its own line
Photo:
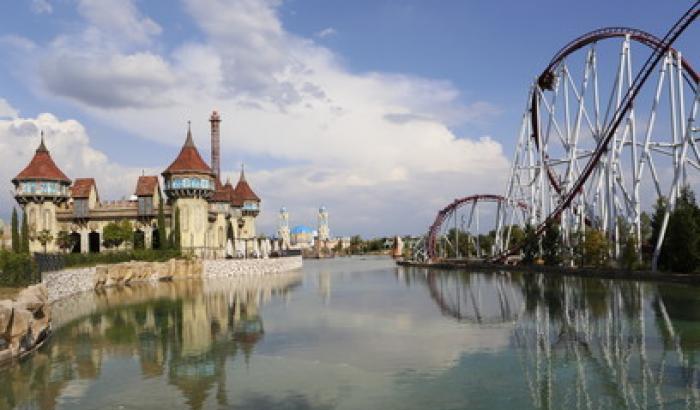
32 298
5 315
21 322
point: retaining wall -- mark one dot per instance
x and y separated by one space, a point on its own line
248 267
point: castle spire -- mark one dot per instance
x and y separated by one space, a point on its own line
42 146
242 178
189 142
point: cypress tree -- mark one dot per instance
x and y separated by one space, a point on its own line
24 248
15 232
162 238
176 231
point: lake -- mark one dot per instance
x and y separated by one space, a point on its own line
361 333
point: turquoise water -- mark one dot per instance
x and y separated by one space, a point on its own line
360 333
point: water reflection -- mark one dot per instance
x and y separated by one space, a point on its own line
364 334
585 343
182 331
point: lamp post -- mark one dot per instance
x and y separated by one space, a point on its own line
241 223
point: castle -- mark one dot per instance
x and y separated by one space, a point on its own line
209 211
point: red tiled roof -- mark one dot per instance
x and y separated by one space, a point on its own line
243 191
41 167
146 185
189 160
220 193
81 187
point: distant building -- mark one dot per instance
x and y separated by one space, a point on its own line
283 231
324 232
302 237
191 188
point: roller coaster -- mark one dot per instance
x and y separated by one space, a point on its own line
601 139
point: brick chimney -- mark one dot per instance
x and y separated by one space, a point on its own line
215 144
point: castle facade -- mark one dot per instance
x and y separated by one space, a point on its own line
209 212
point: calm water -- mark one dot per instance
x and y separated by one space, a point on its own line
363 334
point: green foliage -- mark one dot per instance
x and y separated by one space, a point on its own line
551 245
461 240
161 240
24 240
355 245
16 245
17 269
680 251
628 258
531 245
116 233
595 248
176 242
44 237
657 219
92 259
65 241
139 239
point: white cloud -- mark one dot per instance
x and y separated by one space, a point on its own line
326 32
70 149
41 7
376 148
6 110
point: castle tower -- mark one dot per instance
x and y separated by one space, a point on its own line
283 228
324 232
215 121
249 204
189 183
40 188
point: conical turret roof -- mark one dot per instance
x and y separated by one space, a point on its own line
188 161
41 167
243 191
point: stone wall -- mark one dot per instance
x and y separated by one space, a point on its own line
69 282
243 267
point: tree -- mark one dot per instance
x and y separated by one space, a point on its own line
65 241
16 245
176 242
116 233
680 251
355 244
595 248
161 239
24 241
657 219
551 245
531 246
45 238
628 258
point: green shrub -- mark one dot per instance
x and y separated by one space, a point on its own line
17 269
145 255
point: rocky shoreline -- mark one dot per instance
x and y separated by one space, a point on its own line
25 321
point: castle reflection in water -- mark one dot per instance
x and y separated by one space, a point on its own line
187 329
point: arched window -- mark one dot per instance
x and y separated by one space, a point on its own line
32 218
47 219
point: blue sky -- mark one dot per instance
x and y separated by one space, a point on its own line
286 69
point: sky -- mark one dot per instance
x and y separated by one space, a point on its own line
383 111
